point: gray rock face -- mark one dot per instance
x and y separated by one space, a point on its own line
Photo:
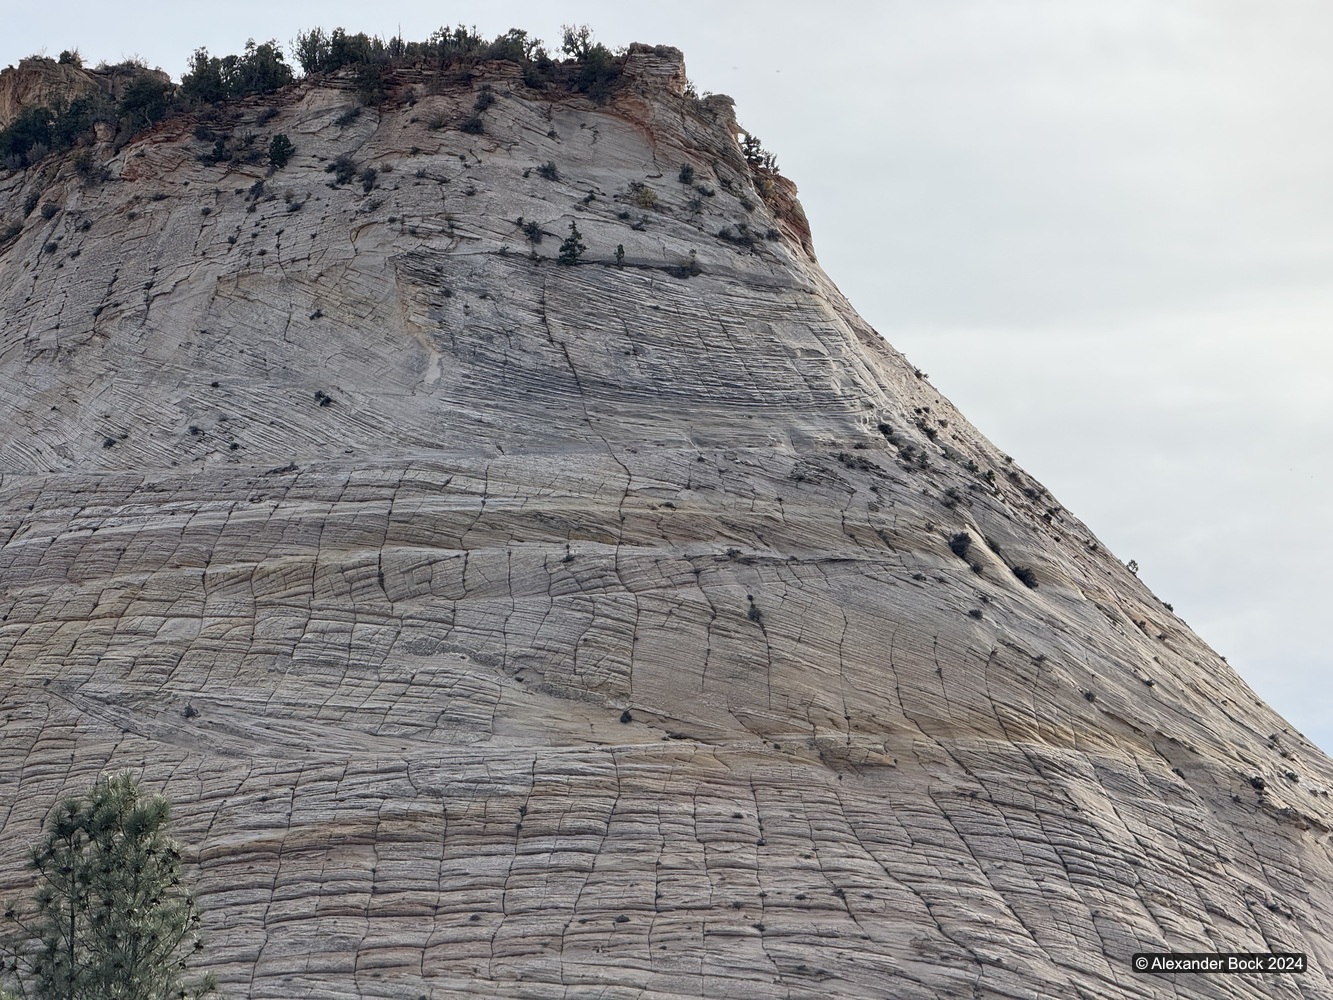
508 629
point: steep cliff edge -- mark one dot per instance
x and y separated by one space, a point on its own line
644 627
41 82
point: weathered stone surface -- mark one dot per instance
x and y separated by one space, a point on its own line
39 81
586 631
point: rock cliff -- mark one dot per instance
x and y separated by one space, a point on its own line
38 81
646 627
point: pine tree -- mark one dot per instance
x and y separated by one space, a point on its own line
110 918
280 150
571 248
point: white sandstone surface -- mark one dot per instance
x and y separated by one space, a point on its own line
578 631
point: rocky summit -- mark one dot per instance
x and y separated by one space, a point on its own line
528 577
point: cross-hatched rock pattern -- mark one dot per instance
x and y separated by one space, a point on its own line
642 628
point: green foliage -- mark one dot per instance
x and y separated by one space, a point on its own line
41 130
757 156
343 169
219 153
27 138
644 196
311 49
280 151
591 68
71 57
596 67
145 101
572 248
77 119
515 46
110 918
458 44
261 69
321 53
371 86
204 80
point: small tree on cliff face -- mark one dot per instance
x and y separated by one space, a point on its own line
280 151
110 918
571 249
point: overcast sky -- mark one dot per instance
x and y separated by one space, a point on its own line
1104 228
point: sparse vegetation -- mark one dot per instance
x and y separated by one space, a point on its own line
596 68
145 101
343 169
643 195
548 171
371 83
757 156
280 150
689 269
686 175
110 916
1025 574
572 248
261 69
851 461
960 543
739 234
148 96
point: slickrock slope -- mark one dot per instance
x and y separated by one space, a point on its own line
506 629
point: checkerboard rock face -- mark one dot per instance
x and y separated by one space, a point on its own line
515 630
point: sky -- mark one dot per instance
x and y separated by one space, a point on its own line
1105 230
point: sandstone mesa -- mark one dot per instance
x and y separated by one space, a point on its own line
508 629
